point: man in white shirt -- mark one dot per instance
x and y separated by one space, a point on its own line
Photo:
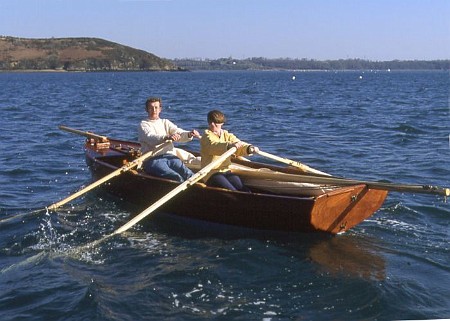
154 131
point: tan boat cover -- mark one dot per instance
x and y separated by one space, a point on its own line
263 179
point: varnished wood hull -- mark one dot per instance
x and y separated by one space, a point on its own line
332 212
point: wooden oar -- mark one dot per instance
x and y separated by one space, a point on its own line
106 178
189 182
301 166
298 178
83 133
95 184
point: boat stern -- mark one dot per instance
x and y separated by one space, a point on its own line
336 212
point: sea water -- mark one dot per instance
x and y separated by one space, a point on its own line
377 125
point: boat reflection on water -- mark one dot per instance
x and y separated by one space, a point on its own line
349 255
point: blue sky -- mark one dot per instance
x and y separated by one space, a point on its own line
313 29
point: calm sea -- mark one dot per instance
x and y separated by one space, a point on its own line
391 126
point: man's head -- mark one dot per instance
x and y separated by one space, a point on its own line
153 106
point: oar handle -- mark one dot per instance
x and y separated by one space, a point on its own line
83 133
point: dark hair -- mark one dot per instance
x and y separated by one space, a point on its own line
152 100
216 116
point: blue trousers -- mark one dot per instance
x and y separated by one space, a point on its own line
167 166
227 180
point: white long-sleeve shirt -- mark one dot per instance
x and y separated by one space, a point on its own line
153 132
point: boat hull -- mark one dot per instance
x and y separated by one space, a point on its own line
332 212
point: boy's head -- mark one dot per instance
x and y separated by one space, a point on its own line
216 116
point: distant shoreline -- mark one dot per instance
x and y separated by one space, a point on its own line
27 71
87 54
78 71
35 70
309 64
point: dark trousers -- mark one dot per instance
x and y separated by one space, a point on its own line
227 180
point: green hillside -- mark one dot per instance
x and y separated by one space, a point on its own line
76 54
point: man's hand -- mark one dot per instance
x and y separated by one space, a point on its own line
194 133
252 149
174 137
237 144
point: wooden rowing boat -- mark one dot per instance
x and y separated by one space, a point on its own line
310 208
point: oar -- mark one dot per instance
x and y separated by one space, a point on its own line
123 169
189 182
102 180
278 176
301 166
83 133
429 189
117 172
